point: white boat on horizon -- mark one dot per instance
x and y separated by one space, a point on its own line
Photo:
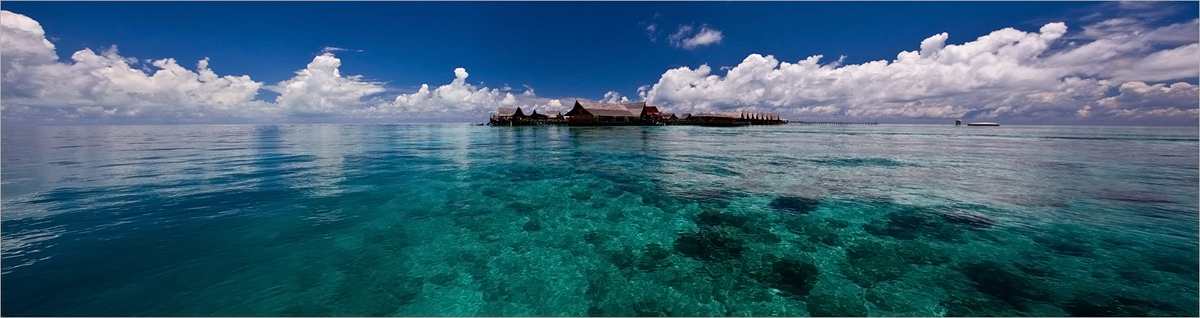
983 124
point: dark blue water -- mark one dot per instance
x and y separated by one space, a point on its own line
458 220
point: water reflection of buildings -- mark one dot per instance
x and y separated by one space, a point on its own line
585 113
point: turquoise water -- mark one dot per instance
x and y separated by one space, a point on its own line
459 220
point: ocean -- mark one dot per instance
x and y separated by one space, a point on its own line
462 220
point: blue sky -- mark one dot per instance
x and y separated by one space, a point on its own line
607 50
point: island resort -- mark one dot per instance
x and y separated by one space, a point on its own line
585 113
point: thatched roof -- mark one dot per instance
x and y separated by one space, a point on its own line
652 110
635 108
547 112
605 109
509 112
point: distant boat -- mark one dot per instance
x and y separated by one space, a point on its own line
983 124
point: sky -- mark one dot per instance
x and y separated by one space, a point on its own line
1085 63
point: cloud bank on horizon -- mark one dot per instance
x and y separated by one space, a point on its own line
1121 71
1006 73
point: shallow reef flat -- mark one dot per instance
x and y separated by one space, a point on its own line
614 221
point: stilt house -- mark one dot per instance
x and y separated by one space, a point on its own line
585 112
503 113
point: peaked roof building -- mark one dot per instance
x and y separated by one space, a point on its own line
509 112
586 108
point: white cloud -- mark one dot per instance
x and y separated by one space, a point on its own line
106 84
331 49
1186 32
1162 65
684 38
35 84
706 36
1160 112
321 89
677 38
1123 49
613 97
818 110
933 44
1112 27
1138 99
1007 73
652 32
458 98
24 42
1084 111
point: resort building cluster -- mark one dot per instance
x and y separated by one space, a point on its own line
585 113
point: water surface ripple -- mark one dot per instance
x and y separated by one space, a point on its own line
459 220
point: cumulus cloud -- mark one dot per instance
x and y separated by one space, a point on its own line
24 42
1007 73
933 44
685 38
1160 112
456 96
1112 69
91 85
613 97
321 89
818 110
1138 99
107 84
459 98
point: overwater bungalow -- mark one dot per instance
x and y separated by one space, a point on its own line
516 117
735 118
504 113
652 113
594 113
586 113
